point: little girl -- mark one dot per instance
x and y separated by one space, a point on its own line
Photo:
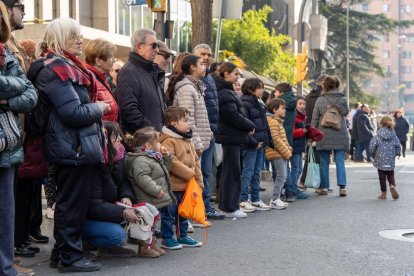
384 147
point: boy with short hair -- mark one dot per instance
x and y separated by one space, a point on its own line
176 138
282 151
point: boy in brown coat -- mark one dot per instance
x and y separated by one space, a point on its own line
176 138
282 151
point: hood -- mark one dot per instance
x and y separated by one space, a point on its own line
35 69
290 100
334 93
130 157
189 80
248 98
222 84
386 134
316 92
167 133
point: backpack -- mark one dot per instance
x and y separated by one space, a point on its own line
332 117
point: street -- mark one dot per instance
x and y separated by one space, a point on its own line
323 235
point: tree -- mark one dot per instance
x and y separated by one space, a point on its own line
364 31
202 21
263 52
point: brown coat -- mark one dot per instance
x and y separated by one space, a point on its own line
281 144
185 161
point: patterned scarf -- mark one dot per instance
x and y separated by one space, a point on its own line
156 154
2 56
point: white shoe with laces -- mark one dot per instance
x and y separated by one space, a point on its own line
236 214
246 207
277 204
260 206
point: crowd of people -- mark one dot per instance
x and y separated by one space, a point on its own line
106 138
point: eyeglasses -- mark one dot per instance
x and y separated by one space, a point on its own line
76 36
153 45
20 6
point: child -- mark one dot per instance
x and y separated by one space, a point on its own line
384 147
299 146
280 154
252 90
176 138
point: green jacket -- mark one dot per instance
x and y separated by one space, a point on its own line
148 177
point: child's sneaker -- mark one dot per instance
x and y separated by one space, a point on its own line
260 206
189 242
171 244
246 207
277 204
302 195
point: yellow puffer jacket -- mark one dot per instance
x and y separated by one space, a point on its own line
281 144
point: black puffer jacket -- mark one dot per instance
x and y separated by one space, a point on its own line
401 128
256 113
365 128
211 100
73 134
233 125
139 95
111 187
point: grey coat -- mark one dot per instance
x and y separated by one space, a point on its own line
332 139
148 177
384 147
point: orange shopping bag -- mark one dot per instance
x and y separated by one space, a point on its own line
192 205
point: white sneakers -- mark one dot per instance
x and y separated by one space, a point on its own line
260 206
278 204
236 214
50 213
247 207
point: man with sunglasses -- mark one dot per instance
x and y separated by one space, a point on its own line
139 94
163 59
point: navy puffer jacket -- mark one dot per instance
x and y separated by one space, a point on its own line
256 113
211 100
401 128
73 134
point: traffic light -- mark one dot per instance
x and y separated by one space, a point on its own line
302 65
157 5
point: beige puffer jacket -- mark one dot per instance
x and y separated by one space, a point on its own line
190 95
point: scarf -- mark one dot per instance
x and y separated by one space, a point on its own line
120 153
69 67
2 56
187 135
155 154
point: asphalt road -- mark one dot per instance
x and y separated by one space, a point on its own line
323 235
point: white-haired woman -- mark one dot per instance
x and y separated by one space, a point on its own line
74 139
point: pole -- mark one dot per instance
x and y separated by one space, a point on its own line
218 34
347 51
300 40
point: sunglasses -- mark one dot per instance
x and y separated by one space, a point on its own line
153 45
20 6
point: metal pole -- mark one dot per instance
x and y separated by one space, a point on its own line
300 40
218 34
347 51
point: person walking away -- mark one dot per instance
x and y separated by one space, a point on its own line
401 129
384 147
365 132
233 130
176 138
252 90
333 139
352 113
282 151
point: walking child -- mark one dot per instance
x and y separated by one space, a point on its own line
176 138
282 151
384 147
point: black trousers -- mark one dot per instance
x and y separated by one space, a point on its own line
73 189
403 147
229 195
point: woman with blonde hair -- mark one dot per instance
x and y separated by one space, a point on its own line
17 95
99 56
74 140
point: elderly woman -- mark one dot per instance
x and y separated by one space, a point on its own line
99 57
333 139
17 94
73 140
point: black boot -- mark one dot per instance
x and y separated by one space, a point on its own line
24 251
38 238
83 265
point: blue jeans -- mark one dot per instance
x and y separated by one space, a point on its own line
206 165
365 146
296 170
324 160
6 222
252 166
103 234
169 217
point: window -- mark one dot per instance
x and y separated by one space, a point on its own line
409 37
405 9
407 84
406 54
386 7
387 54
406 69
387 38
364 6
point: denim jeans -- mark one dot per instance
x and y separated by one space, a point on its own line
279 166
365 146
103 234
252 166
296 171
169 217
339 157
6 222
206 166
